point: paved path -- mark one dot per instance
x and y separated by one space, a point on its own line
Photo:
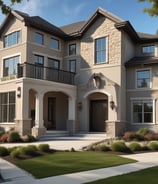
14 175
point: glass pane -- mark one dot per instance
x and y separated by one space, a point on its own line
137 107
55 44
4 113
148 107
137 117
4 98
38 38
12 97
72 65
148 118
11 113
72 49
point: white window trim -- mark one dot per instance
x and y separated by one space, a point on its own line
143 99
142 69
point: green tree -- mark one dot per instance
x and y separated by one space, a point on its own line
153 10
7 8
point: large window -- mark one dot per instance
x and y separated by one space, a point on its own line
72 49
7 107
53 63
54 43
39 38
12 39
100 50
72 65
10 66
142 112
143 79
39 62
150 49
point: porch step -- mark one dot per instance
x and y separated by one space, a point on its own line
49 135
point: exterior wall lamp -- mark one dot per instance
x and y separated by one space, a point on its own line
79 105
19 92
112 104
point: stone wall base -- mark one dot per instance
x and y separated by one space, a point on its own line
38 132
72 126
23 126
115 128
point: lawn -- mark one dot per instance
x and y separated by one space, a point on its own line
145 176
59 163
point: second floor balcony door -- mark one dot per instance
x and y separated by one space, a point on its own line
39 63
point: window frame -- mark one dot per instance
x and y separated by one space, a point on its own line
150 49
142 102
58 44
36 39
53 60
71 61
150 79
96 62
71 52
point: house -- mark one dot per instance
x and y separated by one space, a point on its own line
98 75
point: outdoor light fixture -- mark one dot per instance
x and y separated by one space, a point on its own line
19 92
112 104
79 105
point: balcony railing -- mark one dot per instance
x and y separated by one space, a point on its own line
37 71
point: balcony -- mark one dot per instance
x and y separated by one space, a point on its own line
37 71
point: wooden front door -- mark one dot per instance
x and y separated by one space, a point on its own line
98 115
51 113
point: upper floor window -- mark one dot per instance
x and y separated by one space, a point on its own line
142 112
12 39
143 78
10 66
148 49
100 50
72 65
39 59
39 38
53 63
72 49
54 43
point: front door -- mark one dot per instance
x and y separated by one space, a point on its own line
51 113
98 115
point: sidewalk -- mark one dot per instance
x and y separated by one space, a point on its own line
14 175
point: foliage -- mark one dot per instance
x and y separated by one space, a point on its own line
128 136
153 10
4 138
153 146
3 151
143 131
134 146
28 150
13 137
103 147
28 138
15 153
44 147
119 146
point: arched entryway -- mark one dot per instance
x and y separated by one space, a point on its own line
98 112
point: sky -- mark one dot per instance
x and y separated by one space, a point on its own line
63 12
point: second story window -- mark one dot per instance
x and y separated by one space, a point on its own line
12 39
54 43
39 60
53 63
148 49
100 50
39 38
72 65
143 78
72 49
10 66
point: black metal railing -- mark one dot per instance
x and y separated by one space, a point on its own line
37 71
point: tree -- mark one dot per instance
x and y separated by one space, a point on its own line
153 10
7 8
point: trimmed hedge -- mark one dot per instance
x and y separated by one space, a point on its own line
44 147
3 151
119 146
134 146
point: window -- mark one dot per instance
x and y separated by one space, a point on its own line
39 38
72 49
7 107
54 43
39 62
53 63
72 66
100 50
148 49
10 66
142 112
12 39
143 79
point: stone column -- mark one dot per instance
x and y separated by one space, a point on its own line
71 124
39 128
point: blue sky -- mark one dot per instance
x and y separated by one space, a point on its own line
68 11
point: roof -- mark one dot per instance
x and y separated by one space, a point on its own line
146 60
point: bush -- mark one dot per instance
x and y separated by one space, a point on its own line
153 146
119 146
143 131
28 138
103 147
134 146
12 149
4 138
44 147
149 137
13 137
3 151
73 150
128 136
28 150
15 153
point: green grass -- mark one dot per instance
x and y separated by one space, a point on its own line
145 176
60 163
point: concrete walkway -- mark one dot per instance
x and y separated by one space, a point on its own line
14 175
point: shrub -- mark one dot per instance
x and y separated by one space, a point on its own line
28 138
155 136
128 136
13 137
103 147
44 147
149 137
4 138
134 146
143 131
28 150
153 146
119 146
15 153
3 151
72 150
12 149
